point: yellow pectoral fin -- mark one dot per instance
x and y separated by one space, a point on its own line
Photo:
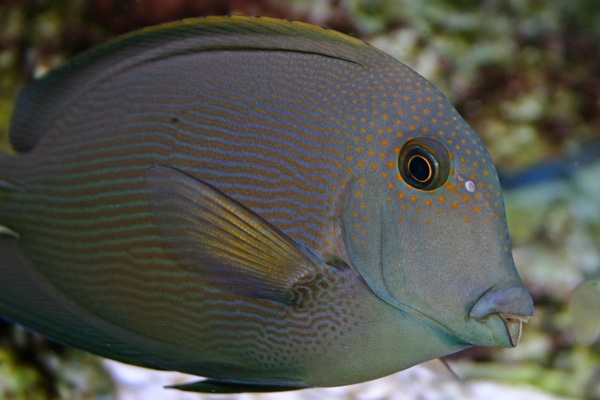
231 246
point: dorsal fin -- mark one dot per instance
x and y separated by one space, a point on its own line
38 104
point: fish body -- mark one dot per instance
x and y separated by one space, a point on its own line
265 203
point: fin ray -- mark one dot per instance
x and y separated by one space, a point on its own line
234 248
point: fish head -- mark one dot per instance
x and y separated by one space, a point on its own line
425 225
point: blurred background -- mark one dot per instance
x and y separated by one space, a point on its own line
524 73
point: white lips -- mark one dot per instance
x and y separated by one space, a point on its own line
513 324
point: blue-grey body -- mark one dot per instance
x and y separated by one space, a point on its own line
265 203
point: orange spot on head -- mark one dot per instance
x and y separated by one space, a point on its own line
414 199
360 163
428 203
390 186
391 164
450 186
441 198
454 204
401 195
467 219
465 198
476 209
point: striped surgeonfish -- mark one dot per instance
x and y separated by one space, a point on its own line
265 203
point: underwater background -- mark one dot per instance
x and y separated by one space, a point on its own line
524 74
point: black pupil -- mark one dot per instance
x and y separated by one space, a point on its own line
419 168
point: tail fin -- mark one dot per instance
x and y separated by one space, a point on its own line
6 187
5 164
5 231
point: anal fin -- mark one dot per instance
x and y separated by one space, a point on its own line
27 298
224 387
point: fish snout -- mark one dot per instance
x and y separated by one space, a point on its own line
512 304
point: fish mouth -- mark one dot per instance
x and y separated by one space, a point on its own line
512 304
514 326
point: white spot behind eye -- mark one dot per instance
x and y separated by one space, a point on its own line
470 186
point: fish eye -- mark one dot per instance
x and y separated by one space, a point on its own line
424 163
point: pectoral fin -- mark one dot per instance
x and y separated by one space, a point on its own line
231 246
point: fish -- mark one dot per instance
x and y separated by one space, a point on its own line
267 204
584 309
